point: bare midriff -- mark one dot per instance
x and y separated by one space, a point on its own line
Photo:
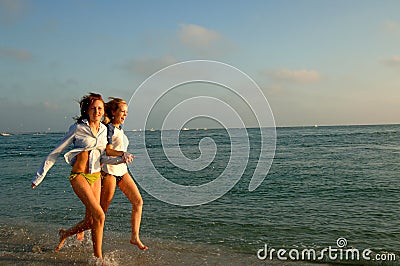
81 164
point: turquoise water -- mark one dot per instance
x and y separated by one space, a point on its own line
325 183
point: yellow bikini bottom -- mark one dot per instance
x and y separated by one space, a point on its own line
90 178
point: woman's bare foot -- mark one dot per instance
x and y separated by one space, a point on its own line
80 236
139 243
61 233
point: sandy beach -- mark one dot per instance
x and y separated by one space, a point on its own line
28 246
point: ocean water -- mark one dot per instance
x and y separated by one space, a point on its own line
325 184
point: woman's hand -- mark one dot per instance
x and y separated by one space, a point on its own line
127 157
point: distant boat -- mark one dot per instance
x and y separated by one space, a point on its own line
185 128
4 134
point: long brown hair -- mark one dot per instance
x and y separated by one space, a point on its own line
84 104
111 107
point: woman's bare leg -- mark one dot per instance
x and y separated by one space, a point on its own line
80 227
108 184
94 218
98 221
129 188
81 235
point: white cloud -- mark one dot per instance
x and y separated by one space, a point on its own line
392 27
271 90
197 36
147 66
393 61
14 54
50 106
12 10
202 41
295 76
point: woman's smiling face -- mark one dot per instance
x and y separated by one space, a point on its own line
120 114
96 111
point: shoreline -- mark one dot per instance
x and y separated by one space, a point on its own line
34 245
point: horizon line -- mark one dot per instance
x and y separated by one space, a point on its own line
212 128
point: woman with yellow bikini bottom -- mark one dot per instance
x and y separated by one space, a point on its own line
89 137
90 178
116 111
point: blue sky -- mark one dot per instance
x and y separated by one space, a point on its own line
317 62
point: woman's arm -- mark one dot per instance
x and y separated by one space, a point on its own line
126 157
111 152
123 157
53 155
